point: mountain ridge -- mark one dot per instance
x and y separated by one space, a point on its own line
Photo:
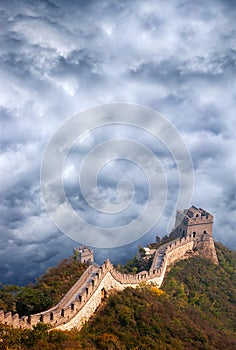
195 309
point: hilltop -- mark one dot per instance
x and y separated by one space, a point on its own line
195 309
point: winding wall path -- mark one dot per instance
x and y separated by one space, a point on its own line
81 301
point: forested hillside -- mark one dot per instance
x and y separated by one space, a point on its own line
195 309
46 292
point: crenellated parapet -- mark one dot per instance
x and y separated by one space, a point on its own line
88 289
81 301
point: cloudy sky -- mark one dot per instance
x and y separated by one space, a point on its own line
59 58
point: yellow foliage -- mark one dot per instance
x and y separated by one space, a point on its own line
154 289
157 291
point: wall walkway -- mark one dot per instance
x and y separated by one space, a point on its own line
81 301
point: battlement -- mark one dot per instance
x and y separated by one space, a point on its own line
194 215
93 279
81 301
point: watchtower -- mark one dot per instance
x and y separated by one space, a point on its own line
85 254
195 222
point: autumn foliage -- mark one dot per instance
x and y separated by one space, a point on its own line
195 309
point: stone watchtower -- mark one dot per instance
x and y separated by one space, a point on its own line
193 221
85 254
196 223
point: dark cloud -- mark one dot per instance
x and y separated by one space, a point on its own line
60 57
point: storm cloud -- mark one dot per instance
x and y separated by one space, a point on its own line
58 58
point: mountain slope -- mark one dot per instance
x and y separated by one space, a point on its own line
196 309
48 290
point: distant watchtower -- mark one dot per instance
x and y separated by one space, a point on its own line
196 223
85 254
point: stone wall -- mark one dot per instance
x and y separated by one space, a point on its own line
84 297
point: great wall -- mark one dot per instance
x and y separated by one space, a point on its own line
192 236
